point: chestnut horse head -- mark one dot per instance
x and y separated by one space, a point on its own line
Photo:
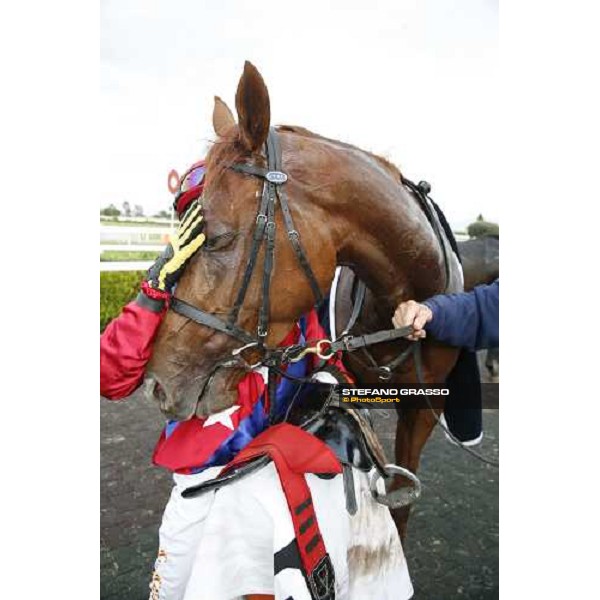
348 206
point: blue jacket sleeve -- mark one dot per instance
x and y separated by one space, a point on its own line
467 320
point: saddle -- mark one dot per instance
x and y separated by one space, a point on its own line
347 432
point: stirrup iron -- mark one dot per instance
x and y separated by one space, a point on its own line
397 498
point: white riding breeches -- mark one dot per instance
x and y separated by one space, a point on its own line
179 535
221 545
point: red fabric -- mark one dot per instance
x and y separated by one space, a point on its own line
314 332
281 442
187 198
125 349
189 195
191 443
155 294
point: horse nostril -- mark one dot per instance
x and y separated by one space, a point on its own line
166 397
155 391
159 393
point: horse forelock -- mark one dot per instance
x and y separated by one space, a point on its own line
224 152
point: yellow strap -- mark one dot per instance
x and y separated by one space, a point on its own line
192 229
189 221
179 259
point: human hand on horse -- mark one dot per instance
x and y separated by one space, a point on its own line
415 314
169 266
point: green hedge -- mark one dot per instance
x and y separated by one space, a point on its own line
483 228
116 290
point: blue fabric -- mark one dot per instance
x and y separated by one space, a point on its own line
170 427
468 320
240 437
258 420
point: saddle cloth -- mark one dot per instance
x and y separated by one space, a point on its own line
247 523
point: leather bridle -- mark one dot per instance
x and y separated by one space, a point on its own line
264 234
274 180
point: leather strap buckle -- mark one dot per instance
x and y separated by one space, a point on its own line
385 373
321 347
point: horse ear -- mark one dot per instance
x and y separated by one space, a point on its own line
222 117
253 108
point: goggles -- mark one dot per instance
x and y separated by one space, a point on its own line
190 187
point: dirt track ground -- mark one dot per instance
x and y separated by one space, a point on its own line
452 545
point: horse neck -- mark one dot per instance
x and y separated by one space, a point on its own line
381 231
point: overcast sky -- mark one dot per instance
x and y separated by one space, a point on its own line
413 80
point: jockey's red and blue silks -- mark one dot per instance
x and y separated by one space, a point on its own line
188 447
126 348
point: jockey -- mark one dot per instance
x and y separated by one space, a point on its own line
126 344
196 559
125 350
469 320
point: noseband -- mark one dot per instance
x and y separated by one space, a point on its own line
274 180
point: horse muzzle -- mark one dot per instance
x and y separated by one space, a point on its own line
175 404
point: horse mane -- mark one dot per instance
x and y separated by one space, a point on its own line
228 149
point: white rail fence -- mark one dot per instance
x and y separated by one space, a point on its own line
108 220
126 265
117 238
134 235
131 248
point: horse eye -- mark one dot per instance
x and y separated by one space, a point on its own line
219 242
